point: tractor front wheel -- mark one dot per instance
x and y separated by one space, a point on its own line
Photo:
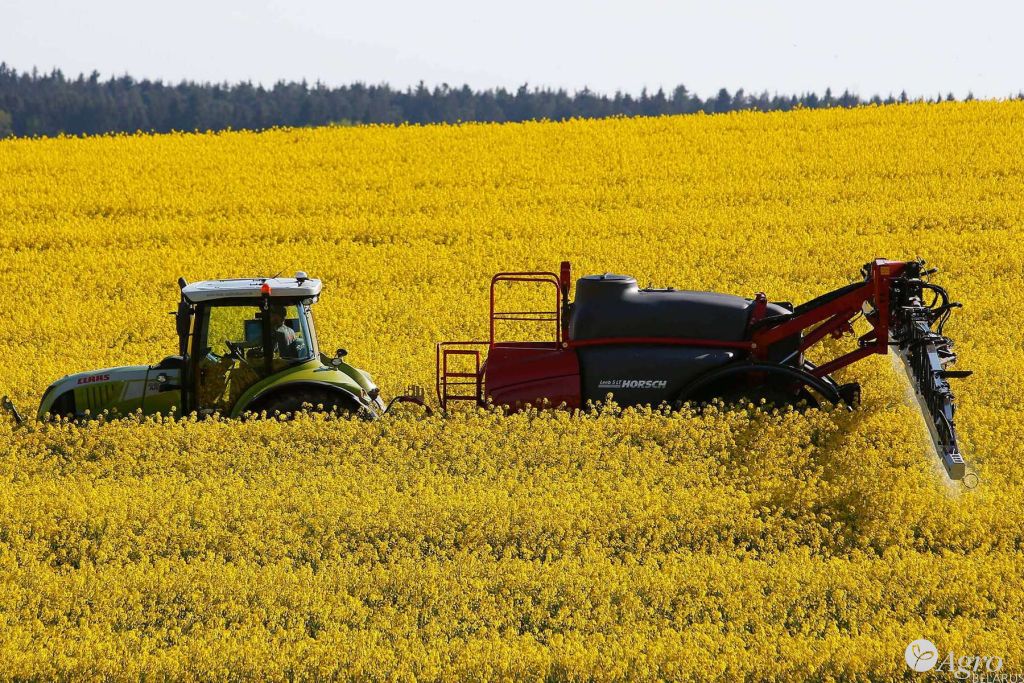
291 401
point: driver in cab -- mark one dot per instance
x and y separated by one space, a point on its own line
284 341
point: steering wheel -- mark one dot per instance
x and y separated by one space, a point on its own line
236 348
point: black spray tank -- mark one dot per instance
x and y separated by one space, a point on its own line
613 306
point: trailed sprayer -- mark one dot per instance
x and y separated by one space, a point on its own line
645 346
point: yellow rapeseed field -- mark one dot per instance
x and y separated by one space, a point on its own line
731 545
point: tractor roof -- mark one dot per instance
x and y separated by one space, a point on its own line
299 287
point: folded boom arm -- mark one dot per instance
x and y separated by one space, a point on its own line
892 299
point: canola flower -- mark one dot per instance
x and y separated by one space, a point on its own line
480 546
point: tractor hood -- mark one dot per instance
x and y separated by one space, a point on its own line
117 390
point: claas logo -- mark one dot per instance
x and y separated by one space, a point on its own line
93 378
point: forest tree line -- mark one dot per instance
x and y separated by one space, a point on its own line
34 103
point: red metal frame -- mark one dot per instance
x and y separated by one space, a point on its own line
834 317
669 341
444 351
760 309
445 379
554 316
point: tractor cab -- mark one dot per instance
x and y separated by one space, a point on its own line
235 333
243 345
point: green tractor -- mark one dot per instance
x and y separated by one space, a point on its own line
244 346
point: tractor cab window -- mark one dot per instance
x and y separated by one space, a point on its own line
237 331
231 355
289 333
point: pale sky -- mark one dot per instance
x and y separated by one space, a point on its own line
787 47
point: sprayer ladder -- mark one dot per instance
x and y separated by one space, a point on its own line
458 384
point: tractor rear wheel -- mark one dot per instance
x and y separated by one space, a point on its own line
313 399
